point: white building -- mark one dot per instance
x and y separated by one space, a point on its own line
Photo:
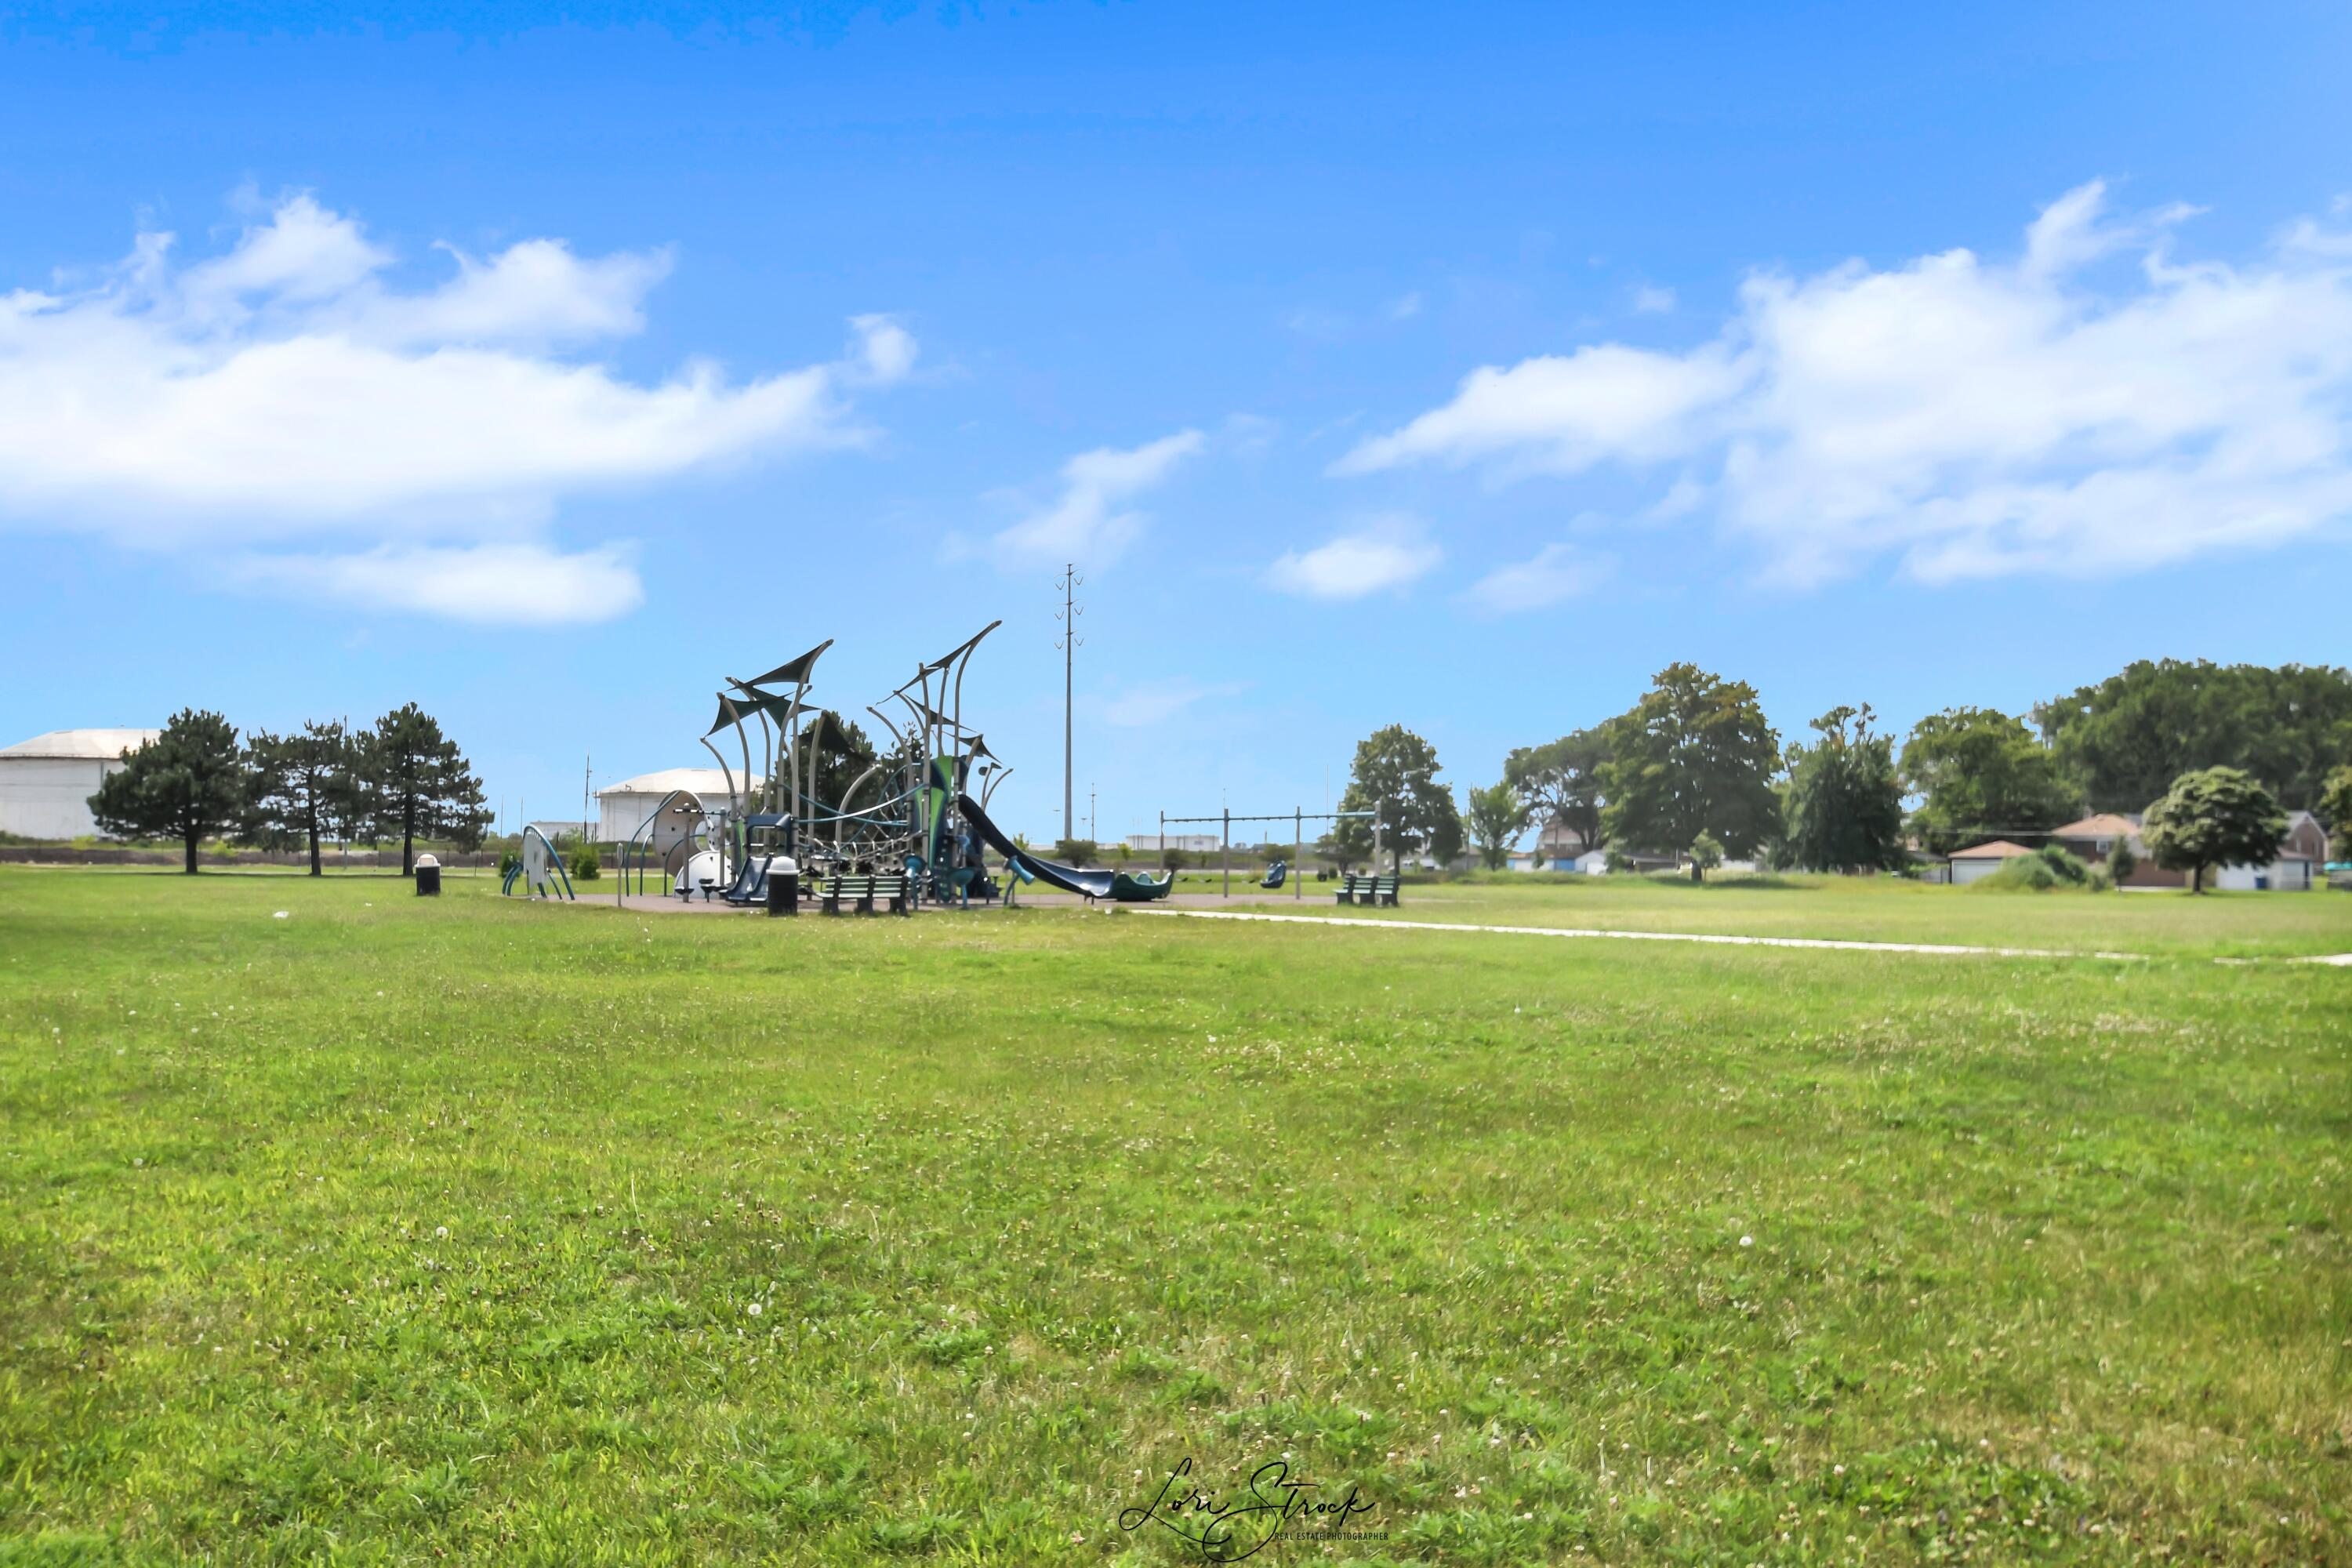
621 808
46 783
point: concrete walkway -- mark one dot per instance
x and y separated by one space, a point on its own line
1934 947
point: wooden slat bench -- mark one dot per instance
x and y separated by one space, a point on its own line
866 894
1347 893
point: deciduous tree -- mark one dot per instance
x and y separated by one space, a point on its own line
1981 774
2215 816
1693 756
1844 810
2335 810
2131 735
1561 781
1497 817
1395 773
188 782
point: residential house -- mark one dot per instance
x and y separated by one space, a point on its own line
2299 867
1975 863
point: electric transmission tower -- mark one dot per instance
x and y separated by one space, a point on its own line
1069 582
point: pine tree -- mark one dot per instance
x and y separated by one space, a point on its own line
420 784
188 784
300 783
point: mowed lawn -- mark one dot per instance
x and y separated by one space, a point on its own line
468 1230
1846 909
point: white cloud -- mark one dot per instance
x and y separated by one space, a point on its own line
1088 521
1652 300
1556 572
1388 554
1155 701
491 584
1404 307
286 391
1563 414
1973 417
888 349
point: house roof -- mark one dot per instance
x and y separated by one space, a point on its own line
2099 825
704 782
81 745
1998 849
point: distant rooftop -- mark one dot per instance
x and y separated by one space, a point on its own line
1998 849
2100 825
81 745
701 781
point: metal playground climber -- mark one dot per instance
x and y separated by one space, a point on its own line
919 809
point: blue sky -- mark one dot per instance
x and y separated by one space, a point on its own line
1458 367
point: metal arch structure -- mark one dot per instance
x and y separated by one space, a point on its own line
539 867
641 845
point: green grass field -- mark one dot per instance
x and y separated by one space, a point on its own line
467 1230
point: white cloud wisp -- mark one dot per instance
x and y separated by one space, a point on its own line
1090 521
1387 555
1974 419
1554 574
285 395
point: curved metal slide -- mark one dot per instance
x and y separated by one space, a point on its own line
1115 884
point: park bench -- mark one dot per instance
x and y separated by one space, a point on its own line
1371 891
1347 893
1384 891
866 895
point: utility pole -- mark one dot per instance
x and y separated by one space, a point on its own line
1069 582
587 772
1090 808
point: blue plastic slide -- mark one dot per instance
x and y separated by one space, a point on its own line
1115 884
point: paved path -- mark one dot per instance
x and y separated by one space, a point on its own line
1937 947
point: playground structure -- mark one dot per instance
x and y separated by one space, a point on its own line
918 809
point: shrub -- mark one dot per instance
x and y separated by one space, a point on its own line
2064 864
2121 862
2101 880
2047 868
586 866
508 860
1706 855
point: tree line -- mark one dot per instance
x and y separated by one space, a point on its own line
2213 754
397 778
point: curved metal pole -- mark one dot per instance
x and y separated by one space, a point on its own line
841 812
735 715
989 788
727 841
767 756
622 885
963 664
793 755
895 733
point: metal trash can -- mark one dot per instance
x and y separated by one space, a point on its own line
428 876
783 886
